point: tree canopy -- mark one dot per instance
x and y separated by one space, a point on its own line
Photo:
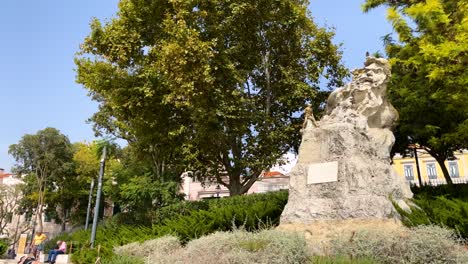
45 161
214 86
430 74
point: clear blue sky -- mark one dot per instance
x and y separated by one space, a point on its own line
38 40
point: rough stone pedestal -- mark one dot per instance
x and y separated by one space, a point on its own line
343 178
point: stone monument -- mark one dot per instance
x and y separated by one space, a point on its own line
343 177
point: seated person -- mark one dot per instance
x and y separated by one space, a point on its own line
61 248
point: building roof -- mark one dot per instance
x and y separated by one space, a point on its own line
273 174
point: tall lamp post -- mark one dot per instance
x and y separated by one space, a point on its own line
98 196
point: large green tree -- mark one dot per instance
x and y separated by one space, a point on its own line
430 74
44 160
216 85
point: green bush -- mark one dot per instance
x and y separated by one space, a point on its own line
186 220
455 191
178 209
251 212
124 260
443 205
3 247
423 244
186 208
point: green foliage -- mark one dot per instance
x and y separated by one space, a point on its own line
429 84
213 85
443 205
108 235
47 159
87 255
456 191
123 259
136 189
3 246
452 213
252 212
142 192
190 220
179 209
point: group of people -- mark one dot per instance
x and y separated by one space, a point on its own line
38 246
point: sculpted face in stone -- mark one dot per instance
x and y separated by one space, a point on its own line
371 76
365 96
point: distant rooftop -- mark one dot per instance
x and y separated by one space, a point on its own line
273 174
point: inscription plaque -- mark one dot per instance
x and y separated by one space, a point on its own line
322 172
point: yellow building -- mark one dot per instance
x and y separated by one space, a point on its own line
431 173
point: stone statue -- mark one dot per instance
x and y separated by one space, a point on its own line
309 119
366 95
350 146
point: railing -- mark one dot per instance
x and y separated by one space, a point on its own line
436 182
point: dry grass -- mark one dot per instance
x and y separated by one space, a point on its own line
423 244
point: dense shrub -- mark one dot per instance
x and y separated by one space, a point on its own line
239 246
423 244
251 212
186 208
178 209
186 220
442 205
454 191
124 260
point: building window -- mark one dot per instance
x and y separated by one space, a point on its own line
431 171
453 169
408 171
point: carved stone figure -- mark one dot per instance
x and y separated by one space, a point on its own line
309 119
343 173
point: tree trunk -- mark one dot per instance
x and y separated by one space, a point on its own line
40 209
64 219
39 218
445 171
234 187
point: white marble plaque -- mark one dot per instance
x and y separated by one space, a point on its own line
322 172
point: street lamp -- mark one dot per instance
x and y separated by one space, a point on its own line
217 190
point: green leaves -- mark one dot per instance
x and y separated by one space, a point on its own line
210 85
429 83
